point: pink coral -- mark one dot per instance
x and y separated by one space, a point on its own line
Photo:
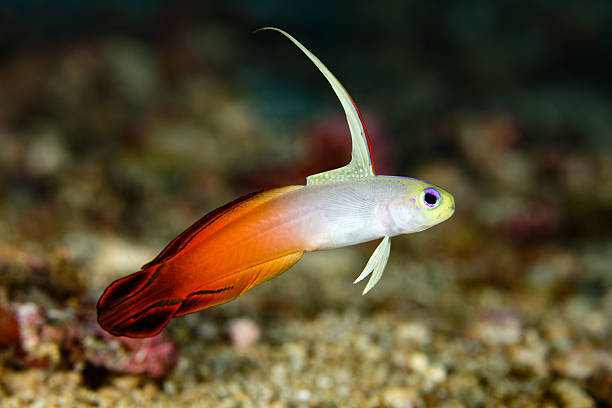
57 337
155 356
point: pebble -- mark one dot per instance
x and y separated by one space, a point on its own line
570 395
303 395
412 332
22 382
496 327
466 388
529 357
418 362
401 397
583 362
243 332
435 374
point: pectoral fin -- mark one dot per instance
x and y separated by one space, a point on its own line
361 156
376 265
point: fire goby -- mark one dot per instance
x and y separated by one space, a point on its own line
260 235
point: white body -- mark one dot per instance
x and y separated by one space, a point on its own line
333 215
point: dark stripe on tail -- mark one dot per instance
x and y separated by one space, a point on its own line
199 300
210 292
126 288
120 291
128 307
149 321
122 317
161 303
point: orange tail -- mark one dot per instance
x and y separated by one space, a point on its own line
142 304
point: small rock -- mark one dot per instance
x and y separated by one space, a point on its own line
583 362
18 382
297 356
243 332
467 389
527 361
496 327
529 358
412 332
126 383
435 373
169 387
418 362
401 397
65 380
303 395
556 331
415 361
570 395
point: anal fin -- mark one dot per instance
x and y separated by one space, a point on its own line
233 285
376 265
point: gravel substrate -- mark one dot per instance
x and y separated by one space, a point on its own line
473 348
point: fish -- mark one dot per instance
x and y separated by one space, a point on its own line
260 235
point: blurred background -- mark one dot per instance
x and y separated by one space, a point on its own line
121 123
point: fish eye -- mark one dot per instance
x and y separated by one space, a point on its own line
431 198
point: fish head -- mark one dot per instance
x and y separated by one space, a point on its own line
419 205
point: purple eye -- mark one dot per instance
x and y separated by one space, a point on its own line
431 197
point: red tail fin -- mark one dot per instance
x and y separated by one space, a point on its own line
135 306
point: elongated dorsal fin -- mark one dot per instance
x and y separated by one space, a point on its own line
376 265
361 157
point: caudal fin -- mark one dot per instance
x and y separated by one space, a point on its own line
135 306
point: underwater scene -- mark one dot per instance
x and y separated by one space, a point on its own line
173 232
